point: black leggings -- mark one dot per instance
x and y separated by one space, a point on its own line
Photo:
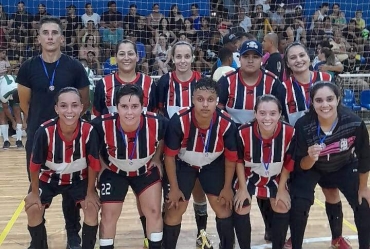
302 188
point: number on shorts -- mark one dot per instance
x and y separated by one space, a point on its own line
105 188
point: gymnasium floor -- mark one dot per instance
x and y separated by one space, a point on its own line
13 220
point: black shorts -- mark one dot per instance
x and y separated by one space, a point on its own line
346 179
211 177
77 191
113 187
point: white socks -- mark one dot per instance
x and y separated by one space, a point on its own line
155 237
18 132
5 132
106 242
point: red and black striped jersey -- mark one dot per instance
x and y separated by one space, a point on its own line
173 94
298 94
61 160
239 99
199 147
129 153
106 88
265 158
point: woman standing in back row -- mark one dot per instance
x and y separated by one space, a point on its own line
297 102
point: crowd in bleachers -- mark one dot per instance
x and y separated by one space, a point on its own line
93 37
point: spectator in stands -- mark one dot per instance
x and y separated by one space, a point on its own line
204 33
328 29
299 31
4 63
154 18
353 35
90 16
320 14
360 22
111 36
298 13
190 32
282 44
14 55
3 17
74 21
165 30
142 63
162 54
94 63
258 20
195 16
223 23
20 17
130 20
314 37
326 57
33 49
337 17
340 45
111 15
354 66
41 13
274 63
175 18
243 20
88 46
336 68
89 29
70 38
277 17
20 33
145 36
226 57
207 53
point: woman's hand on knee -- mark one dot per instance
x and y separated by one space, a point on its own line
283 196
32 199
92 200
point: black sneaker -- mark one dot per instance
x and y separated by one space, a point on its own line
73 243
19 144
6 145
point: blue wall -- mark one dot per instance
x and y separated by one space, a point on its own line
58 8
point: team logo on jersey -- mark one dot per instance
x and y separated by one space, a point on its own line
343 144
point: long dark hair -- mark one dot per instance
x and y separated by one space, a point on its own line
317 86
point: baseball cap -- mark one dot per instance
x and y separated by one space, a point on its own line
254 46
229 38
299 7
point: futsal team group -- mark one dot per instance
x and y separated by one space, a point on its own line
249 134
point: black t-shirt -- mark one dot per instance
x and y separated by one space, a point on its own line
352 67
131 21
144 36
275 65
22 18
314 37
107 17
349 37
69 72
349 136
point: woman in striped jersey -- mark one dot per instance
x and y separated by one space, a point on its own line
131 154
297 101
64 159
200 144
127 57
265 160
174 91
106 88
